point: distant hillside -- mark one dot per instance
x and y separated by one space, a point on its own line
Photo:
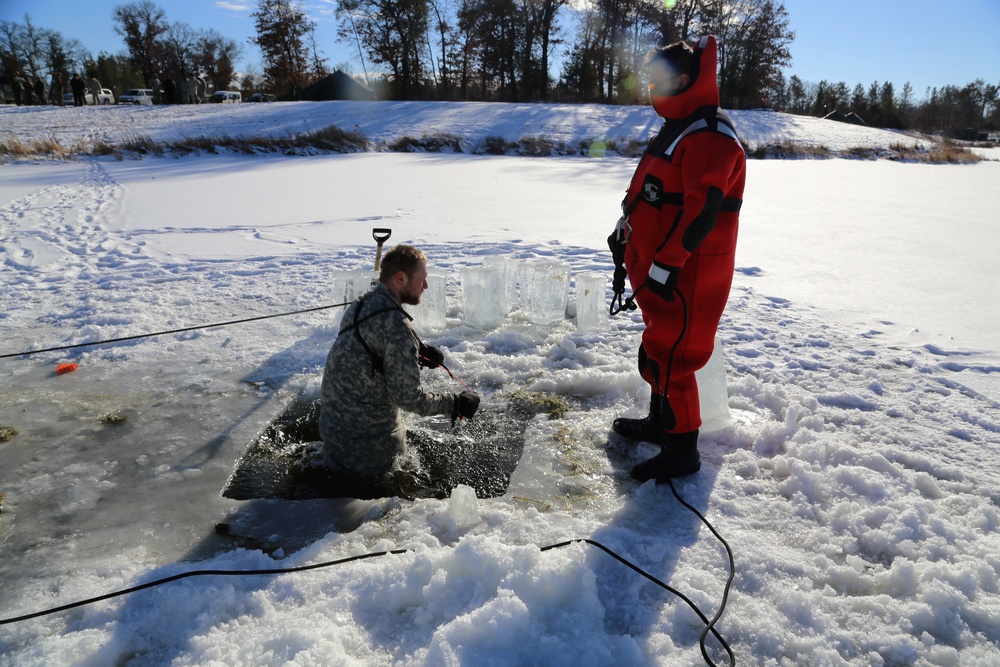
469 127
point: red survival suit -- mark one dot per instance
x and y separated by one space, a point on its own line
682 211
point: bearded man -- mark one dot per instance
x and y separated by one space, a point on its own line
373 370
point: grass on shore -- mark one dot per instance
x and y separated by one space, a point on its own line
332 139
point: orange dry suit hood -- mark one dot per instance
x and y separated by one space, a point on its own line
702 90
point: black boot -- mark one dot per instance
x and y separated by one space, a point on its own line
647 429
677 458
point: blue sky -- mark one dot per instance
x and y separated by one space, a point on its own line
855 41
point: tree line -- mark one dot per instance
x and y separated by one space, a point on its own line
974 106
504 50
495 50
153 46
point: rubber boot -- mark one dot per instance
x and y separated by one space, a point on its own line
677 458
647 429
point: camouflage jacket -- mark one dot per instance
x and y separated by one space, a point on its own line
359 418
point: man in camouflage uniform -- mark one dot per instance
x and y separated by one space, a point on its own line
373 370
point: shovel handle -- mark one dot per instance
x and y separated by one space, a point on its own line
381 235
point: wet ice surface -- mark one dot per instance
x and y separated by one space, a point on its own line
287 461
857 485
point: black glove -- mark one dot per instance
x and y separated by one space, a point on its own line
430 356
662 280
466 405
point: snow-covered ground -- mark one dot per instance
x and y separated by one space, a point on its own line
857 483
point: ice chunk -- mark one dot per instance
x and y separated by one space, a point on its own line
507 266
548 292
591 307
712 392
429 314
463 506
480 292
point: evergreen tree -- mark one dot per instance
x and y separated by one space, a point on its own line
753 48
113 71
798 101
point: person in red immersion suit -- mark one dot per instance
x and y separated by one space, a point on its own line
677 240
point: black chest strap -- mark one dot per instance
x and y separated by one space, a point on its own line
663 146
378 364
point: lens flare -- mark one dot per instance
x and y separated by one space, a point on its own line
669 4
599 147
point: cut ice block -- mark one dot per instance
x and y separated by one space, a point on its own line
340 286
591 309
363 281
429 314
348 286
507 266
712 392
524 272
481 296
548 292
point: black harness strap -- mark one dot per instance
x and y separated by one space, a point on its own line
729 204
378 364
708 118
704 119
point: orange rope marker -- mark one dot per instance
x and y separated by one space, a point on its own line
62 369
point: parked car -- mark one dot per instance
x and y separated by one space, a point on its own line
106 97
88 98
226 96
137 96
262 97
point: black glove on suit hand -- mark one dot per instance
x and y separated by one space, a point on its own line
466 405
430 356
662 280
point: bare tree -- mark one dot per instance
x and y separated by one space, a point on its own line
177 49
394 34
443 29
283 31
215 56
141 25
34 51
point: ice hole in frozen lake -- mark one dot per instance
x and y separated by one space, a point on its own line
284 460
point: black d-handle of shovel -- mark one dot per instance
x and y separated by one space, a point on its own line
381 235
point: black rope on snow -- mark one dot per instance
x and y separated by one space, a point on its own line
195 573
172 331
709 624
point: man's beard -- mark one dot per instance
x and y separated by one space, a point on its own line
410 299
